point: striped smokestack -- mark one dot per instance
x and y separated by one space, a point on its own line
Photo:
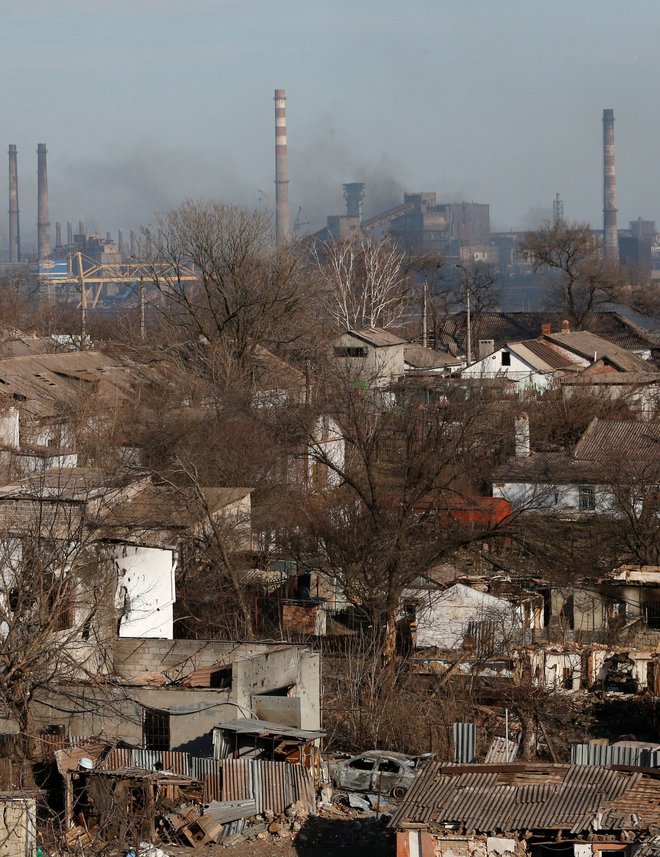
14 227
610 235
43 223
281 171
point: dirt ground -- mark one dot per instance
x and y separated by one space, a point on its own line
331 837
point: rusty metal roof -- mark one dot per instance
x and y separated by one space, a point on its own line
509 798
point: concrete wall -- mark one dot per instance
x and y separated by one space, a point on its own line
145 590
379 367
117 710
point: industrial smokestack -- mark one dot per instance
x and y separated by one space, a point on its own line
610 235
281 171
58 235
354 196
43 223
120 241
69 233
14 227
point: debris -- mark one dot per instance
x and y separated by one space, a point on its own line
357 802
236 839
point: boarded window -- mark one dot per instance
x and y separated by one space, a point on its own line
156 729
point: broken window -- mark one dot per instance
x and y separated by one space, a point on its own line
653 614
506 358
350 352
156 729
388 766
586 498
362 764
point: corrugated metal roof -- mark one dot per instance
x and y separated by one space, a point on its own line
543 356
251 726
515 797
606 438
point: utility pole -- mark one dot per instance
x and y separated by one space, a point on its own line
83 303
143 327
465 277
425 301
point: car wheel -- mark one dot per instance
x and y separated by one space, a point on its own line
399 791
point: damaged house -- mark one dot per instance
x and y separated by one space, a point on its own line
527 809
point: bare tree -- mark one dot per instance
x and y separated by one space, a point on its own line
243 291
386 520
582 279
57 612
364 281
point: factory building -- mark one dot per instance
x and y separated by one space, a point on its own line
420 222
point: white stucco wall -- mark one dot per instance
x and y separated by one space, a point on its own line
492 367
379 366
145 590
533 496
443 617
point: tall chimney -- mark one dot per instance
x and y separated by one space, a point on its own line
281 171
120 241
58 235
14 228
43 224
69 233
610 235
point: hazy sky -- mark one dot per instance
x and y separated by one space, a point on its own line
145 102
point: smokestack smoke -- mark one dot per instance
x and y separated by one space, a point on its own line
610 235
43 223
14 226
281 170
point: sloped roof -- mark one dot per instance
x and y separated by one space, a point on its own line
606 440
543 356
427 358
506 327
166 507
377 336
607 450
509 798
593 348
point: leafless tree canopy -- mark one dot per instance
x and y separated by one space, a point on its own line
363 281
244 292
581 279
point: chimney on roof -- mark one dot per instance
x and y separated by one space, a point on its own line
546 329
523 448
565 326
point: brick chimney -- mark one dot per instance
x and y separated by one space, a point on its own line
523 448
565 326
546 329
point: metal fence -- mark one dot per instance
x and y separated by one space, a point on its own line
608 754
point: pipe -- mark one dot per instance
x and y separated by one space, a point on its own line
14 226
610 234
281 171
43 223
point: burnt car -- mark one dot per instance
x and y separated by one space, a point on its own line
377 772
